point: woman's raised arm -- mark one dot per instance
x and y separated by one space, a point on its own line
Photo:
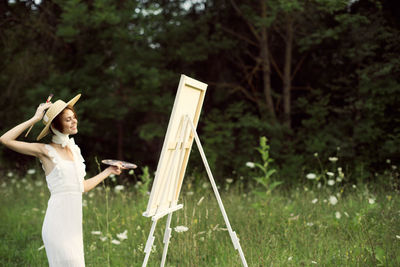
33 149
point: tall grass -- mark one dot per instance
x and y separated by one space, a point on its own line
290 227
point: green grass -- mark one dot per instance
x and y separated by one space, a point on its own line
282 229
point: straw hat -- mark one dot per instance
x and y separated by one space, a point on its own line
55 109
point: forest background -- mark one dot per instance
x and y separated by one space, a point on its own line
313 76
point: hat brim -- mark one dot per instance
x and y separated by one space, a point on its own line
46 130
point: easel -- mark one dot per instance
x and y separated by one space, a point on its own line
179 148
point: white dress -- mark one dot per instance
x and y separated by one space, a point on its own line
62 226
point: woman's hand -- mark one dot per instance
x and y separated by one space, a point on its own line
117 170
41 110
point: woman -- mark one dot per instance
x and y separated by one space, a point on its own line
64 168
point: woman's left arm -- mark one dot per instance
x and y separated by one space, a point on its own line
91 183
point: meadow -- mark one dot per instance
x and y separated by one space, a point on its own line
310 224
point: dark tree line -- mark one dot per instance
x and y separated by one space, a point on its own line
313 76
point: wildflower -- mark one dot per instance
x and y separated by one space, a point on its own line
315 200
394 167
31 171
118 188
116 242
205 185
331 182
371 201
330 174
388 161
338 148
313 262
338 179
354 186
250 164
398 236
309 224
339 169
42 247
229 180
131 172
333 200
338 215
123 235
91 194
311 176
294 218
39 183
315 154
84 203
103 238
4 185
347 215
190 193
10 174
319 185
181 228
333 159
96 233
290 258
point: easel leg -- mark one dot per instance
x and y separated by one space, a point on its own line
234 238
149 243
167 236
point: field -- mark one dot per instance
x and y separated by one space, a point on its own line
306 225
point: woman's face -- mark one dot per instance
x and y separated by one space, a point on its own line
69 122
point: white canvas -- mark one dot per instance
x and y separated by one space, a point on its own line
176 148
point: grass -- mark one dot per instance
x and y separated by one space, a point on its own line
284 228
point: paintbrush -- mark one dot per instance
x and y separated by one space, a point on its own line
47 101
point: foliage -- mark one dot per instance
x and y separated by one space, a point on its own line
266 169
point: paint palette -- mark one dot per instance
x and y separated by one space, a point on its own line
114 162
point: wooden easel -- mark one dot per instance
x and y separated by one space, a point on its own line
180 147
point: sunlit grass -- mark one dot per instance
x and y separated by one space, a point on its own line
296 227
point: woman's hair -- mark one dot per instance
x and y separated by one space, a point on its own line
57 123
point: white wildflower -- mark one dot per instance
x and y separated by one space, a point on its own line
394 167
333 200
338 179
338 215
319 185
371 201
91 194
118 188
39 183
315 154
96 233
116 242
311 176
42 247
84 203
131 172
333 159
10 174
229 180
123 235
347 215
290 258
310 224
314 262
181 228
354 186
398 236
330 174
112 175
315 200
250 164
388 161
205 185
4 185
103 238
331 182
31 171
190 193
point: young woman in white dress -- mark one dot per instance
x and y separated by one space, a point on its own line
64 168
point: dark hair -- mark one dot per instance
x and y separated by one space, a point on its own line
57 123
